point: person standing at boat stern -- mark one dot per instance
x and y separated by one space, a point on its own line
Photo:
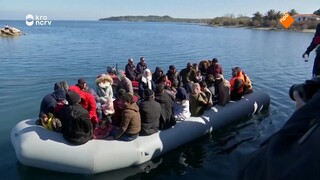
130 125
314 43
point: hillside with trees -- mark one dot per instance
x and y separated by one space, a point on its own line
152 18
267 20
270 19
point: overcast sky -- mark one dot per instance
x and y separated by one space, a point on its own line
95 9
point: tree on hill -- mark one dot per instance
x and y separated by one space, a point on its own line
257 17
317 12
292 12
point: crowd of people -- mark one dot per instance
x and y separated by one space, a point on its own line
114 110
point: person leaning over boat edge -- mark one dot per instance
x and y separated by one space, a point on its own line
314 43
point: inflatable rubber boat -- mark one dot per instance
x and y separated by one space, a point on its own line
41 148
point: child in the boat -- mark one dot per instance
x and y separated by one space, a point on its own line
108 110
103 130
48 121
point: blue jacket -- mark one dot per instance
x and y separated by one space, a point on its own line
49 102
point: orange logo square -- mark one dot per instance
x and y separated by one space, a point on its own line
286 20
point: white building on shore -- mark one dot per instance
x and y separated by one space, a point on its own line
306 17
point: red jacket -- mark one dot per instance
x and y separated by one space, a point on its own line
88 102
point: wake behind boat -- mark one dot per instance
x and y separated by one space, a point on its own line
38 147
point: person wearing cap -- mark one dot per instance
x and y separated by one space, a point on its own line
150 111
222 88
141 66
314 43
130 70
166 102
214 68
188 76
173 76
181 105
87 99
146 82
76 126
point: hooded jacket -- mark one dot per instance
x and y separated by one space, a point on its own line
166 104
131 121
88 102
76 126
50 101
150 111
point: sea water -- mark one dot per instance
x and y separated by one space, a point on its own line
67 50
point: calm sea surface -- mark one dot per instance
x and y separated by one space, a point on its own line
67 50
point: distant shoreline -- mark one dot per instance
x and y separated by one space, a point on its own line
204 22
268 28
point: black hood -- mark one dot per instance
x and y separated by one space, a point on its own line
59 95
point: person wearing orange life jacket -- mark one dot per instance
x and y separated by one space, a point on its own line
237 83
